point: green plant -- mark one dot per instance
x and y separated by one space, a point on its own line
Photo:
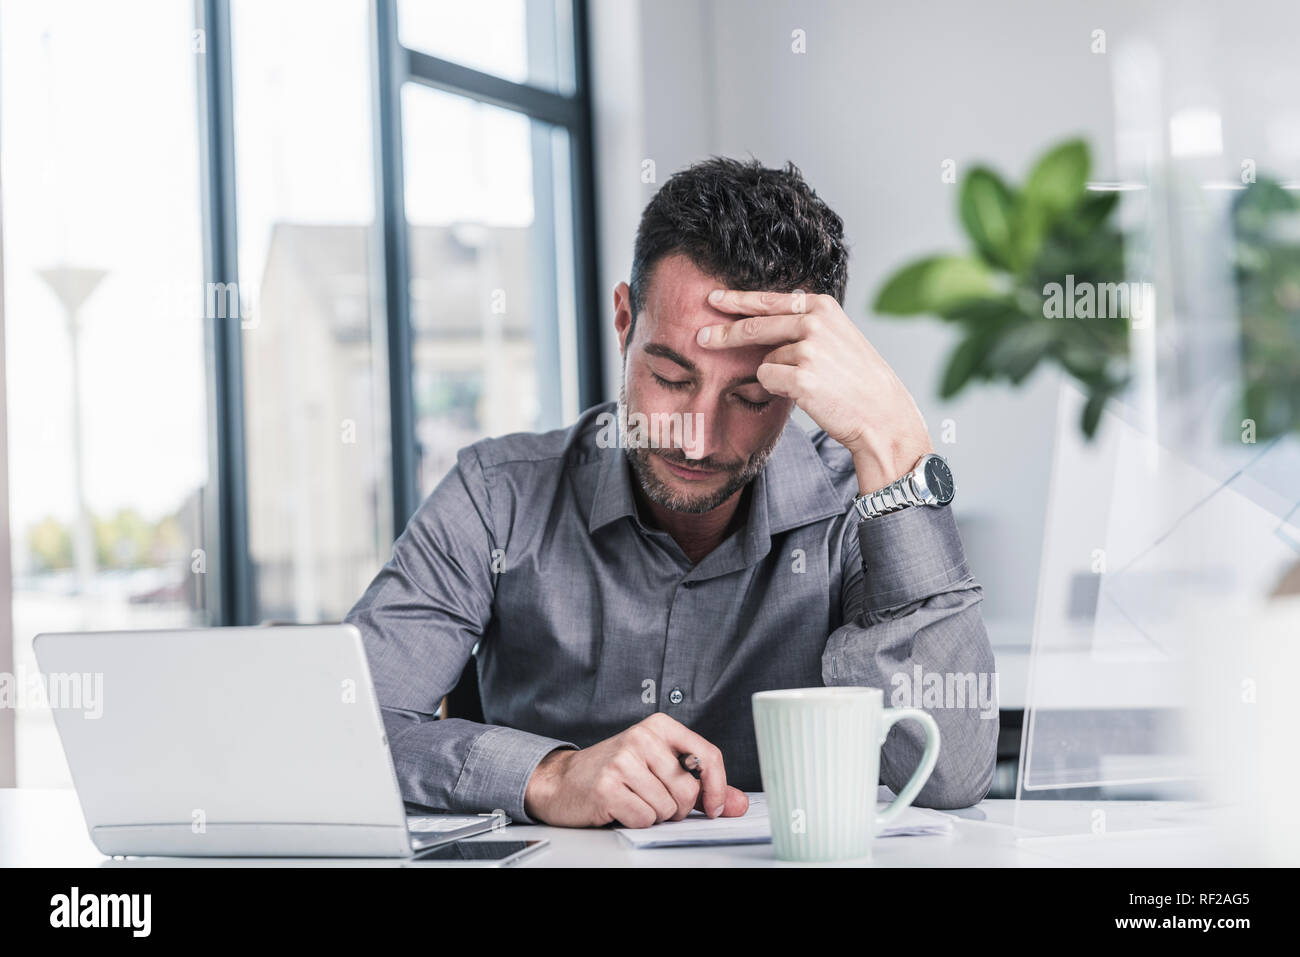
1266 227
1024 240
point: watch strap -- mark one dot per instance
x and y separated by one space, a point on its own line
893 497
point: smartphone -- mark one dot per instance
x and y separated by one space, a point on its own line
482 853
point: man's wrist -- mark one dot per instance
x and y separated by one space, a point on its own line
542 784
877 468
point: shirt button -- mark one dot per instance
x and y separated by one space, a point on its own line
676 696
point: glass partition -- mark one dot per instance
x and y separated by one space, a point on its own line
1169 600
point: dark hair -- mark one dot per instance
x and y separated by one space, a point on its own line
750 226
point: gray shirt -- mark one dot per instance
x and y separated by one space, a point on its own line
583 620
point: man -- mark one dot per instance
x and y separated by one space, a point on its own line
628 592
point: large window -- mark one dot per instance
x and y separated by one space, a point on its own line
104 342
499 324
267 266
486 308
315 388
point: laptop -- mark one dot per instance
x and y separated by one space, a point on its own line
234 742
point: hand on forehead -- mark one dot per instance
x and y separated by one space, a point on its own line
677 307
760 319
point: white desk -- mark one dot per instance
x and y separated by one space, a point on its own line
45 828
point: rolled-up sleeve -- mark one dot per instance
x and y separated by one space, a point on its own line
420 619
913 628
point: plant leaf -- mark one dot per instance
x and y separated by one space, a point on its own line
934 285
979 312
987 212
1058 181
965 361
1019 350
1092 413
1030 230
1093 211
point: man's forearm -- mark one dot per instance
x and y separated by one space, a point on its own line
463 766
919 636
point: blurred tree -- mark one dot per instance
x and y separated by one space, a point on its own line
50 544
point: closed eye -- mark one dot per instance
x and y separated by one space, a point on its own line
753 406
670 383
677 385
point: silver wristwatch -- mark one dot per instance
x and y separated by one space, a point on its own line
929 483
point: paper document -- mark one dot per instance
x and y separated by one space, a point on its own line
754 827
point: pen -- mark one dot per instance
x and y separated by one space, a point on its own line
691 763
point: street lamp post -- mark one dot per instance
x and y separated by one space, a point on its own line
72 286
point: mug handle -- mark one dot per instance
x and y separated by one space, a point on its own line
929 757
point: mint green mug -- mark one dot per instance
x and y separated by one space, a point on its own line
819 756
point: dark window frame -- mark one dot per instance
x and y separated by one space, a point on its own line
231 582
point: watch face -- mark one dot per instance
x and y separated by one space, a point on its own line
938 478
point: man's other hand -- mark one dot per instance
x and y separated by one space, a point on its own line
634 778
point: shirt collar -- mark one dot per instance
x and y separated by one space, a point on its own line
792 490
613 498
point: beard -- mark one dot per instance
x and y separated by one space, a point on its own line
738 475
